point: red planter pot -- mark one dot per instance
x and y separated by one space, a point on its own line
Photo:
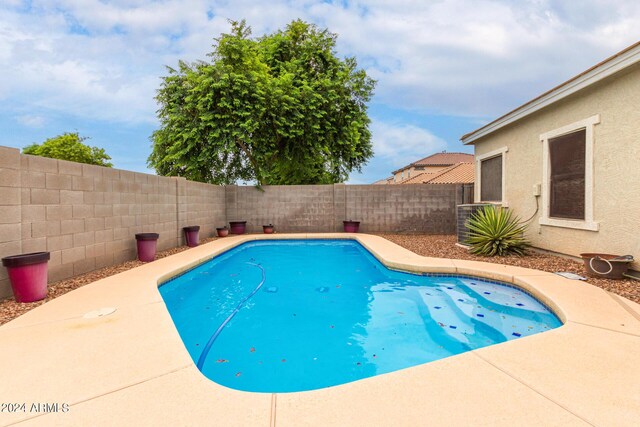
146 244
351 226
268 229
28 275
222 231
192 235
238 227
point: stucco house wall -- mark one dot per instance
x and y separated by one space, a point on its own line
616 166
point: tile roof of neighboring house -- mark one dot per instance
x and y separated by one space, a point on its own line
440 159
417 179
383 181
461 173
618 62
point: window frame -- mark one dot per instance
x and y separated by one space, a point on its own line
588 223
478 186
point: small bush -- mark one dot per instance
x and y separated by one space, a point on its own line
495 231
69 146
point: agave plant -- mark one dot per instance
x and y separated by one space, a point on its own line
496 231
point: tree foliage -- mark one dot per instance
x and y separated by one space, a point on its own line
279 109
69 146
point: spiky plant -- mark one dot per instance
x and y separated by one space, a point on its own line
494 231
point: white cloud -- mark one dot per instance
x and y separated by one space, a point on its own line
400 144
481 57
31 120
101 61
396 145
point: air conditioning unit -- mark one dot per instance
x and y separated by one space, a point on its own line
463 213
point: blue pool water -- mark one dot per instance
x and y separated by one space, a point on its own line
328 312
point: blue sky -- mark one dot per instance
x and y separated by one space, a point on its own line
444 68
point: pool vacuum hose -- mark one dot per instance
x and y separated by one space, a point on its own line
205 351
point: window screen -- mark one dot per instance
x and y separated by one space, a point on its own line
491 179
567 161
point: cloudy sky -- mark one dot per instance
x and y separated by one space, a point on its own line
443 67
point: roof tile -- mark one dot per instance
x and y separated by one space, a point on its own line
439 159
461 173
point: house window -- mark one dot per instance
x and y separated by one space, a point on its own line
419 168
491 179
490 176
567 176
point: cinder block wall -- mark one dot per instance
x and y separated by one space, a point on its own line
204 206
428 209
291 208
86 216
10 211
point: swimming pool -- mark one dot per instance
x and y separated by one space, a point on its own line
326 312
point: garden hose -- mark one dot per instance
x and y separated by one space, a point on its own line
599 272
624 258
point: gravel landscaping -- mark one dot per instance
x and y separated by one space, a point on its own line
432 246
445 247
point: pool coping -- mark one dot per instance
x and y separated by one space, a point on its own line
131 368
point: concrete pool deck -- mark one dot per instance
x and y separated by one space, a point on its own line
131 368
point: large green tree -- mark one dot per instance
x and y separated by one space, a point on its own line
69 146
279 109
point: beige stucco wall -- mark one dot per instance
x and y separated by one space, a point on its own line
616 166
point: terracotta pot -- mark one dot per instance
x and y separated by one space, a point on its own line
238 227
146 244
222 231
351 226
191 235
28 275
606 266
268 229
